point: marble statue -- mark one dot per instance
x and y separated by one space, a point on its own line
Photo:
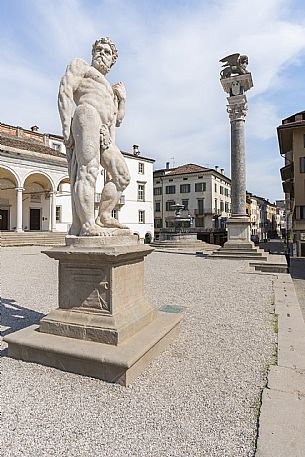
235 64
89 137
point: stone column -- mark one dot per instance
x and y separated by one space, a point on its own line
237 109
239 223
52 225
19 209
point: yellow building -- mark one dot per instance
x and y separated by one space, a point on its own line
291 137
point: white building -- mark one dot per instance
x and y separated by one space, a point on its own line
35 189
205 194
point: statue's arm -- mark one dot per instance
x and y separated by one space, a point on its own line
68 85
120 93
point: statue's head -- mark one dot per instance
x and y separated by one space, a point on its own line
104 54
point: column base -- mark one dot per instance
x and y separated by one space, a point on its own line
239 245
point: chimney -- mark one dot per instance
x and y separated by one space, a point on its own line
216 167
136 151
167 165
222 171
34 128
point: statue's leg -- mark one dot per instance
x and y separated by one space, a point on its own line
86 133
115 165
72 168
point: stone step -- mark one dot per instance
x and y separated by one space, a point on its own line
32 239
238 256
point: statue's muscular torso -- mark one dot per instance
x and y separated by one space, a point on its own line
96 91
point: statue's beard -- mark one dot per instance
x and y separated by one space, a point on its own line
100 65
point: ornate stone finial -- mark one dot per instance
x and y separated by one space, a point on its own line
234 64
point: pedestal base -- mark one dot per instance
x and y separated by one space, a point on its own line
239 245
104 327
118 364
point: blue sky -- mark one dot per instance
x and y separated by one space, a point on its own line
169 55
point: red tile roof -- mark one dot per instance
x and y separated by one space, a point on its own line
29 146
187 168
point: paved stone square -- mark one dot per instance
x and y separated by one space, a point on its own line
201 397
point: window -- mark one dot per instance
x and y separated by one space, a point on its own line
226 192
200 177
157 207
185 188
215 206
221 190
200 187
141 168
221 206
185 203
185 179
302 164
58 214
170 180
158 223
169 205
141 192
304 140
141 216
226 207
302 212
200 206
170 189
56 146
158 191
215 187
114 213
158 182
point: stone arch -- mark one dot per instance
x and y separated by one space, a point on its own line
62 180
8 174
148 238
42 178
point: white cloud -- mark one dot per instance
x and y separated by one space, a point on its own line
169 63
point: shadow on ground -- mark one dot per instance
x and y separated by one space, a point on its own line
15 317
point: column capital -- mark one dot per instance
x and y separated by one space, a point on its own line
19 189
237 108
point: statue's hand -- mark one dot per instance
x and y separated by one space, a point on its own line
119 90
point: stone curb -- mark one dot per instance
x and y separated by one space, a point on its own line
281 430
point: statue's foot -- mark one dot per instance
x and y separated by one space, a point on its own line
91 230
109 222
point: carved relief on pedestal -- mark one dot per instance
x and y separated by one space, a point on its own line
88 288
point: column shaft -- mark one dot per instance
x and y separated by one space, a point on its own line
238 168
53 211
19 209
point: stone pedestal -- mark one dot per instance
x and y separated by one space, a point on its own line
104 326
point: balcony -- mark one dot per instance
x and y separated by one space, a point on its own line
287 172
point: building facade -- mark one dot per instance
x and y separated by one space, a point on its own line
205 194
291 138
35 186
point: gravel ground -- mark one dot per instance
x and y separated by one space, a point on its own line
199 398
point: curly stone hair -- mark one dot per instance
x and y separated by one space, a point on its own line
107 40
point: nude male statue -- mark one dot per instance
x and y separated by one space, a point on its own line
89 136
